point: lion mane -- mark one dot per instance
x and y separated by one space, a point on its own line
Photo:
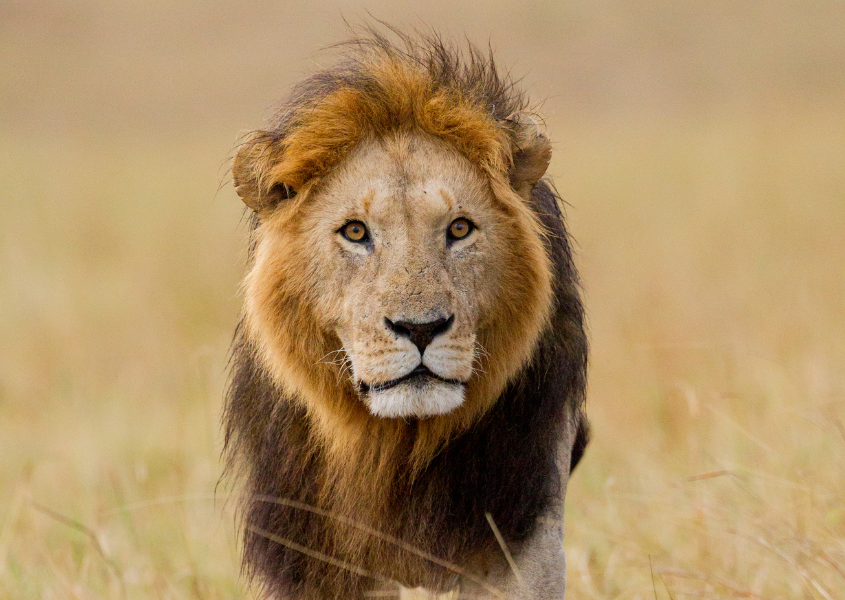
336 499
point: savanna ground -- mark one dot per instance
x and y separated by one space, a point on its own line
701 149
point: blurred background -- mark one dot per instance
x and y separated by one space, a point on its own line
700 147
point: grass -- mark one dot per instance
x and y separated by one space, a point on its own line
712 248
716 296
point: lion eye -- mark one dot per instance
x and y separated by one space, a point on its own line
460 228
355 231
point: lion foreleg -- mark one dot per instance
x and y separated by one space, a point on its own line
539 572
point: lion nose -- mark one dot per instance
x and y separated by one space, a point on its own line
420 334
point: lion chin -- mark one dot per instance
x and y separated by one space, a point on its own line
418 397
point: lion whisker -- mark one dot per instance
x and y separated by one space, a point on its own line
347 368
481 355
476 370
479 348
331 362
343 361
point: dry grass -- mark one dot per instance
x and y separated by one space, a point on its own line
711 227
717 299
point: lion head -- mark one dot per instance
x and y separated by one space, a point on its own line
397 269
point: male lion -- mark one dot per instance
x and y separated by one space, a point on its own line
408 376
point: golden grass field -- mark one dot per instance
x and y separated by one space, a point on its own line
701 149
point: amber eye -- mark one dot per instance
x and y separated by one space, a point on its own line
355 231
460 228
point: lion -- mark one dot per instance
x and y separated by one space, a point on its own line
408 376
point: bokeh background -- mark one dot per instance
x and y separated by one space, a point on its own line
700 147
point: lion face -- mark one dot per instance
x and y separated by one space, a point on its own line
405 264
410 234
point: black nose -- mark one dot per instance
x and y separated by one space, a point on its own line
420 334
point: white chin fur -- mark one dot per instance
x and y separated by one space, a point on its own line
416 399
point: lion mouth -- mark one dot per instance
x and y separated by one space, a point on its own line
420 372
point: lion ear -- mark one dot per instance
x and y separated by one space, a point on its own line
252 172
531 151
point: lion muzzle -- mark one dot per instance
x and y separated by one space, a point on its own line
422 391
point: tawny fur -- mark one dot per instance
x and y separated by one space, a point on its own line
367 139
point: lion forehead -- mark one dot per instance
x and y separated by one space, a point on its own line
410 175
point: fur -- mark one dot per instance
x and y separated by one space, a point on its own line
337 494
